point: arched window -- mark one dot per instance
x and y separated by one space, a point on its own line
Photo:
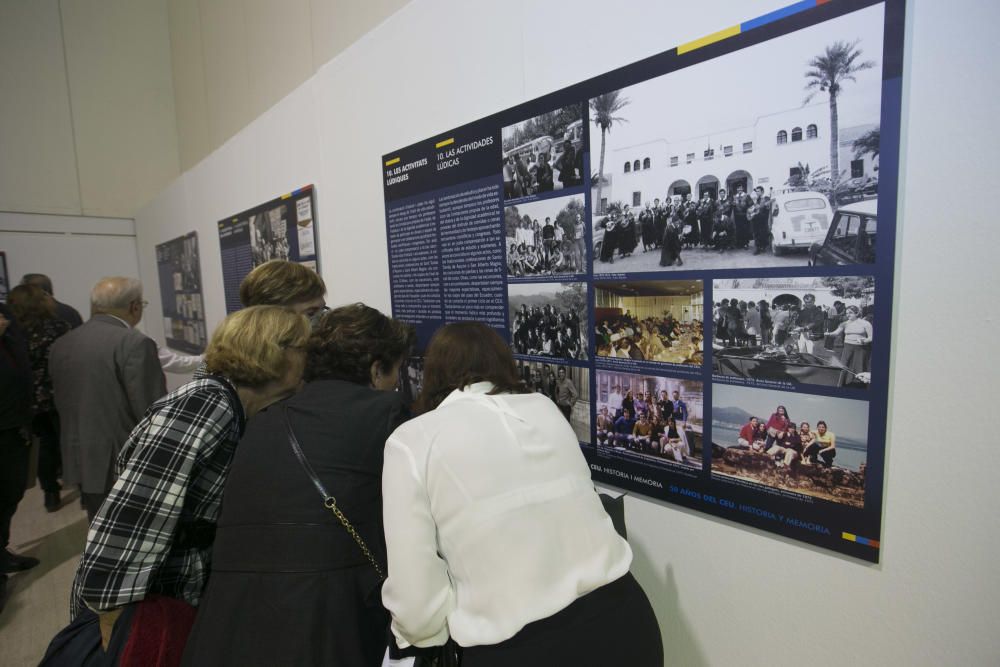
796 134
635 166
782 137
812 132
645 163
628 167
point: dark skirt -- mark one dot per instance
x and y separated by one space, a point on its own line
613 625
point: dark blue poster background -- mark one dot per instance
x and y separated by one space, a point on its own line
750 333
179 269
283 228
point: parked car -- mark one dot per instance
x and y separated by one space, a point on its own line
851 238
798 219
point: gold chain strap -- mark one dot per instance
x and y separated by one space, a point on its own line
331 504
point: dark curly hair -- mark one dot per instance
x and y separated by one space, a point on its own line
349 339
461 354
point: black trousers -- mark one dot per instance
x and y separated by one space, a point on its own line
46 429
613 625
14 451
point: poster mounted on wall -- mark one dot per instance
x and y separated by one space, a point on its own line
704 241
283 228
179 269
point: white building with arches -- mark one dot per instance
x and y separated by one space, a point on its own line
767 153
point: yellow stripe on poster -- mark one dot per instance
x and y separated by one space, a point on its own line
708 39
391 162
446 142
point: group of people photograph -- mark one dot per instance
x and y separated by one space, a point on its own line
290 479
817 330
714 222
543 154
653 320
556 245
660 418
791 439
548 320
567 386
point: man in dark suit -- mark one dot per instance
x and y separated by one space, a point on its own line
63 311
15 420
104 376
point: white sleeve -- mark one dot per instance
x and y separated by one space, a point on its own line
171 362
418 592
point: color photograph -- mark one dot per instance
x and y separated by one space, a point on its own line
650 417
650 320
813 445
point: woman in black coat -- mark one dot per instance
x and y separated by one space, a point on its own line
289 585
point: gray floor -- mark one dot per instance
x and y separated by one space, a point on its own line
38 600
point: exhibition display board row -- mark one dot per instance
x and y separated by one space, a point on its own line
691 255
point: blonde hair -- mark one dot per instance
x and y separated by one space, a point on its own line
281 283
249 346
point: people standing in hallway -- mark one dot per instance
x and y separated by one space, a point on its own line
35 311
105 374
64 311
153 535
15 422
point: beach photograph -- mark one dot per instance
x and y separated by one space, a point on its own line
811 445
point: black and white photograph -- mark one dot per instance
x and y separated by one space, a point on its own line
544 153
269 235
567 386
546 237
810 330
548 319
813 445
774 163
650 320
411 379
651 416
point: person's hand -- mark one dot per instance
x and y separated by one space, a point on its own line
4 323
106 621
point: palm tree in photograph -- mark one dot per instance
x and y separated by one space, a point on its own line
605 107
867 143
827 73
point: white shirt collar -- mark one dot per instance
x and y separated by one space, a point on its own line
474 389
127 325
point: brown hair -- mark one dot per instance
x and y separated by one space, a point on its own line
281 283
462 353
249 346
349 339
31 305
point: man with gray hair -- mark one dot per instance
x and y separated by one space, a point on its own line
104 376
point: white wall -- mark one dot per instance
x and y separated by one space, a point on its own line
724 594
87 114
75 252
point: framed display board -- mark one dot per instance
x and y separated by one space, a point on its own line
283 228
181 295
703 243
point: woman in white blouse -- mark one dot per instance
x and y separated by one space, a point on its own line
495 535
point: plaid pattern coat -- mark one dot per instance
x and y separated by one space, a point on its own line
171 472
